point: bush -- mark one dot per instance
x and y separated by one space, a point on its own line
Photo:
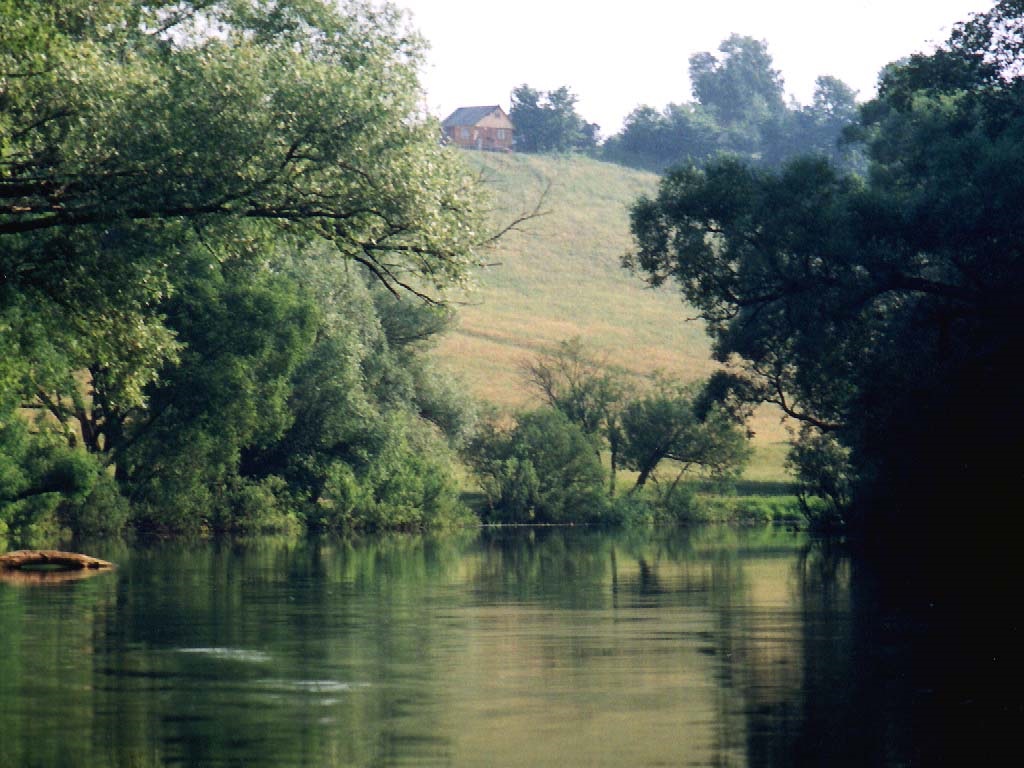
409 486
544 470
258 506
676 505
823 471
104 512
39 472
631 509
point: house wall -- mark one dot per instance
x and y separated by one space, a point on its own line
493 139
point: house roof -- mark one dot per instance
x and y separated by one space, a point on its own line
471 115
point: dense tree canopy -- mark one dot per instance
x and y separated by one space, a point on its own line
160 163
883 312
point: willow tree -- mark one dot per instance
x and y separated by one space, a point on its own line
136 137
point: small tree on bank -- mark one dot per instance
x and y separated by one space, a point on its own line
665 425
589 409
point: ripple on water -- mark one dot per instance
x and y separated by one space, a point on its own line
309 686
230 654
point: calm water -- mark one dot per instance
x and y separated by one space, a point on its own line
553 647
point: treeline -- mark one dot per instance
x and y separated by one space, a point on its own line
739 108
207 211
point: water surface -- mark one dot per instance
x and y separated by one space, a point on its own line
559 647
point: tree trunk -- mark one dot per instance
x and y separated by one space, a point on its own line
642 478
611 479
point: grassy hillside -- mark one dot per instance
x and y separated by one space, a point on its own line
558 276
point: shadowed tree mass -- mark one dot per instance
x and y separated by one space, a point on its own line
882 311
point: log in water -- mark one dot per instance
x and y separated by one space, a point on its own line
29 558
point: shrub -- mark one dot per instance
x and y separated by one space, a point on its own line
104 512
258 506
410 485
543 470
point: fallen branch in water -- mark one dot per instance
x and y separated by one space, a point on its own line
28 558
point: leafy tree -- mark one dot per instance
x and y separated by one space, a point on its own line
666 425
364 401
547 121
819 128
883 311
740 85
672 422
657 140
133 129
156 159
245 335
587 391
572 381
542 470
295 399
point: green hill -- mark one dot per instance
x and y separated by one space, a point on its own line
558 276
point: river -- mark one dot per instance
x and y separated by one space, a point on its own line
546 647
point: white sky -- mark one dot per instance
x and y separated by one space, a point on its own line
617 55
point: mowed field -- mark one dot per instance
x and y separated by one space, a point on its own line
558 276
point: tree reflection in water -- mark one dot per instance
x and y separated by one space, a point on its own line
507 647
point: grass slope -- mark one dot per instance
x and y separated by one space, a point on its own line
559 276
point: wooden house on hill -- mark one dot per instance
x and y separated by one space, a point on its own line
486 128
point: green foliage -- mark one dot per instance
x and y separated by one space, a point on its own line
103 512
883 311
543 470
409 486
165 171
639 431
257 506
664 425
548 121
572 381
245 335
754 510
740 84
822 468
38 471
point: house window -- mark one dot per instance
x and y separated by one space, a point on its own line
502 134
464 132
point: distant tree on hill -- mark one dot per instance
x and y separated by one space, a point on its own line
740 109
547 121
740 85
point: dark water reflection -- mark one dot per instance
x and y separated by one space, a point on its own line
509 648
